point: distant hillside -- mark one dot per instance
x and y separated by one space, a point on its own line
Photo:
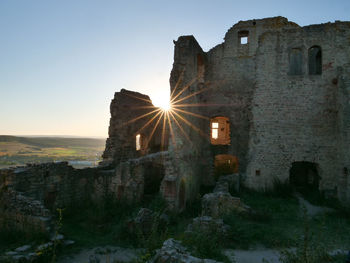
48 142
15 150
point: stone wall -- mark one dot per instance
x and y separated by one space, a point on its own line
31 194
130 113
299 117
276 118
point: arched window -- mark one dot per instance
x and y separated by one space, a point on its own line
295 62
220 131
315 60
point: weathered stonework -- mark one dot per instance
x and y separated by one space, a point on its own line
30 195
279 110
130 113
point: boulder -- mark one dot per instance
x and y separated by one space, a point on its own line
207 224
219 204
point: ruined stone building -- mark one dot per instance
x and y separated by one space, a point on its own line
271 101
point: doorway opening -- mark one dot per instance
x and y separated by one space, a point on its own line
304 177
153 177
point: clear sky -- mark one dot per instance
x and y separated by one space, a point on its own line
62 60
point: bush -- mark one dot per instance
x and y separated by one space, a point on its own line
206 245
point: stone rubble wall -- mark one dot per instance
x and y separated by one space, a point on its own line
31 194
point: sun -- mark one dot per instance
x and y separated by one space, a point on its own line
162 102
165 105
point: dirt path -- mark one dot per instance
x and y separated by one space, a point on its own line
312 210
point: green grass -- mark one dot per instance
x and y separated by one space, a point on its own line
276 223
279 223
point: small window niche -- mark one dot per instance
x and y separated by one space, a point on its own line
138 142
243 37
295 62
315 60
220 131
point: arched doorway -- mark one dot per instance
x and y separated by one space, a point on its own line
304 176
182 195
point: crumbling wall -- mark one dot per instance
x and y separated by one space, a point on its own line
181 182
29 195
130 114
136 177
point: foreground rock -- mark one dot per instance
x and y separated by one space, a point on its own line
221 202
146 220
173 252
207 224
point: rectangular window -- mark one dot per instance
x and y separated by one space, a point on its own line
244 40
138 142
243 37
220 131
214 130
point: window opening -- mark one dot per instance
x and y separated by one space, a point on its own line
225 164
315 60
243 37
295 62
214 130
220 131
138 142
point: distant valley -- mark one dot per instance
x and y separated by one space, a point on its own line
80 152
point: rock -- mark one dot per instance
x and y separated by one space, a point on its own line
227 182
220 203
206 224
173 251
23 248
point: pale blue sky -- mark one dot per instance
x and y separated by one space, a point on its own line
61 61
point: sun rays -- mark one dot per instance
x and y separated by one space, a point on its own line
172 113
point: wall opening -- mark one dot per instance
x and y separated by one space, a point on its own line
153 176
182 195
225 164
220 131
243 37
295 62
315 60
304 177
138 142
